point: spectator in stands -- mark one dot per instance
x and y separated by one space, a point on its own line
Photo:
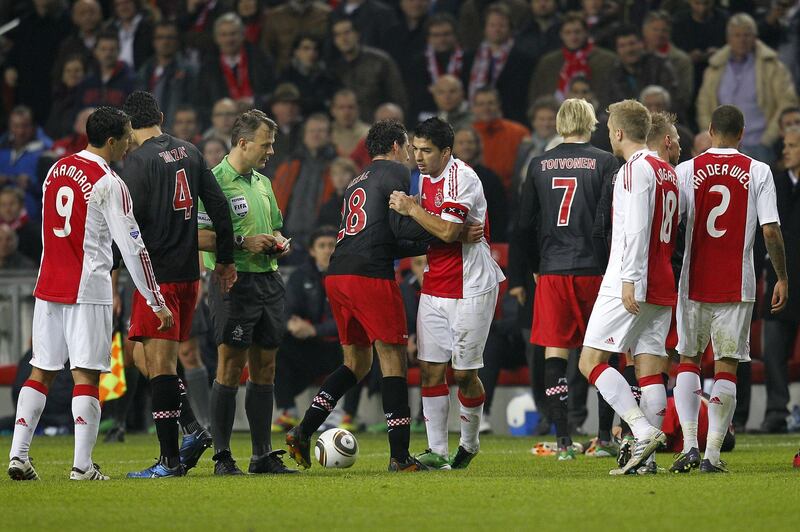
111 81
14 216
442 56
657 99
578 56
701 142
223 116
10 257
370 73
406 40
302 183
347 129
789 117
310 75
213 150
30 60
20 150
284 108
448 93
467 147
501 64
636 68
87 18
746 73
72 143
311 348
780 330
252 18
601 19
185 124
657 35
472 19
239 70
167 75
197 20
69 75
134 25
700 32
342 171
371 19
385 111
285 23
542 118
500 137
540 35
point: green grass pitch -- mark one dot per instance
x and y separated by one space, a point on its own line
505 488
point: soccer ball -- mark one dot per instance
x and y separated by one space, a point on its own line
336 448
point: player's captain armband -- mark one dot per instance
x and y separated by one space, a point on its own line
203 219
455 210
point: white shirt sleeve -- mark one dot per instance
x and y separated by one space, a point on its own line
461 191
117 208
638 190
766 197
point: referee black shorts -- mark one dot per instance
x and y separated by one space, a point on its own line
251 313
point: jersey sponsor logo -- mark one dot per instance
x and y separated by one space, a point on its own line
240 206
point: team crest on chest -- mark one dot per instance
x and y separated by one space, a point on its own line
438 199
239 206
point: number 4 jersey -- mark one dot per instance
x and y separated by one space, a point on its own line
166 176
84 206
644 224
727 195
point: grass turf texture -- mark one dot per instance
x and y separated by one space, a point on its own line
504 488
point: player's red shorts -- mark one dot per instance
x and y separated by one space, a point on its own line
562 308
672 336
367 309
180 298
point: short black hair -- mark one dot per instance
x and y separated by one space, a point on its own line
322 232
142 108
440 19
107 35
436 130
305 36
105 122
727 120
382 136
626 30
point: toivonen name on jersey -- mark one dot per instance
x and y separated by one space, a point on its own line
173 155
569 163
729 170
76 174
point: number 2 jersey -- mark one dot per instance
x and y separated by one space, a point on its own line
371 235
166 176
644 226
84 206
728 195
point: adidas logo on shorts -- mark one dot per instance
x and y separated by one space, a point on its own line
610 340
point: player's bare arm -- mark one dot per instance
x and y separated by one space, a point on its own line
445 231
773 238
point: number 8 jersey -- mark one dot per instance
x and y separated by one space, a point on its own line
644 223
727 195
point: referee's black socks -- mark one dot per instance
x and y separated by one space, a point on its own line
334 387
398 415
166 406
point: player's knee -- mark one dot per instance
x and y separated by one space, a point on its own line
43 376
587 363
432 374
189 357
465 378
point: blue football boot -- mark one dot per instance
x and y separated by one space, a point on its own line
193 446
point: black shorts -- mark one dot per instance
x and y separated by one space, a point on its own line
200 320
251 313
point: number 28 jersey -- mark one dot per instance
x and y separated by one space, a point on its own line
727 195
644 223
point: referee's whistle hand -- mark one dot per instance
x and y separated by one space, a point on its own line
226 276
167 321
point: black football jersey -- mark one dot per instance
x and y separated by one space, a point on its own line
559 205
371 235
166 176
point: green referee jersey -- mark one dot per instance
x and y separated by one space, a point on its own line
253 210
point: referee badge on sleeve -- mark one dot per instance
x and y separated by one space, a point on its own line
203 218
239 206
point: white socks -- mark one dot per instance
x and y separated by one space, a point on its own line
654 399
688 392
30 405
435 408
470 414
86 414
720 413
617 392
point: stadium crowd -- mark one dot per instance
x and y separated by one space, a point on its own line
497 71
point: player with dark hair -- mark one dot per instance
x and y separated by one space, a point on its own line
459 293
85 205
728 195
365 298
559 204
166 176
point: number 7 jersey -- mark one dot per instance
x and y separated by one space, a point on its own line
644 224
727 195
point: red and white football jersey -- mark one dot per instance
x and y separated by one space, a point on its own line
458 270
727 195
85 206
644 223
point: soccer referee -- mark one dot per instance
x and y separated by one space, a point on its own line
249 320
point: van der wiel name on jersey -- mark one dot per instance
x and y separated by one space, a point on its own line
730 170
